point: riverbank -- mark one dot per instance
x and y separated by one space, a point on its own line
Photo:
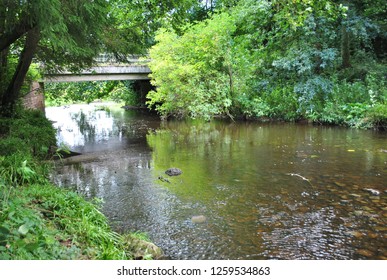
39 220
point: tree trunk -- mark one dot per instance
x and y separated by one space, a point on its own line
11 95
345 48
3 70
3 53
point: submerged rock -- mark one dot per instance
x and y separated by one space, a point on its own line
173 171
365 253
373 192
198 219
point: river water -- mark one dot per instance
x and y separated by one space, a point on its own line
248 190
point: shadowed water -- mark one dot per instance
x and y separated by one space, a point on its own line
266 191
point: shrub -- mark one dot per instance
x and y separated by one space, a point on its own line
18 169
35 131
12 145
283 104
378 115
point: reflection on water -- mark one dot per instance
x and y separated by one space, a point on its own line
268 191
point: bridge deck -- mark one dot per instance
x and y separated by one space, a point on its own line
102 73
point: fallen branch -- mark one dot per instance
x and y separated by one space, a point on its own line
302 177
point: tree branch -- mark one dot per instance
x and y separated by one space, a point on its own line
8 38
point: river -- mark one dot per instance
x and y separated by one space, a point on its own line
248 190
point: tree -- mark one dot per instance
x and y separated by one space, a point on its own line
136 22
57 32
194 73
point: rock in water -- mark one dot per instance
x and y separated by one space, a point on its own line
198 219
373 192
142 249
173 171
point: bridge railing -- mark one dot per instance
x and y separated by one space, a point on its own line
108 58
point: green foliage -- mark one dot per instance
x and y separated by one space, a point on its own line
276 59
283 104
135 23
61 34
29 137
18 169
194 73
378 115
12 145
35 130
357 104
44 222
124 92
67 93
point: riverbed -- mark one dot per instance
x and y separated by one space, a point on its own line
247 190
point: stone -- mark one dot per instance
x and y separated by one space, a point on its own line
340 184
373 192
198 219
356 234
365 253
358 213
173 171
143 249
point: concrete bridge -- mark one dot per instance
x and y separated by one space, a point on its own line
106 69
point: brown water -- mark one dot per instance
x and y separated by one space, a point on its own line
266 191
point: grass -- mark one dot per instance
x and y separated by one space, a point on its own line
45 222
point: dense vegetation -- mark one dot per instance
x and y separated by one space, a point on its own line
86 92
289 60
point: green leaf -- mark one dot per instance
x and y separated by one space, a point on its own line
23 229
4 231
31 247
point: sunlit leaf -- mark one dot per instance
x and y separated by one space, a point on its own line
23 229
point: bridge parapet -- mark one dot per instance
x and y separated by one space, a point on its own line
111 59
106 70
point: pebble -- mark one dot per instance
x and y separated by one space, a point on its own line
373 235
356 234
372 191
198 219
340 184
358 213
366 208
381 228
173 171
365 253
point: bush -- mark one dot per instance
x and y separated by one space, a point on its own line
378 115
29 136
18 169
283 104
34 130
12 145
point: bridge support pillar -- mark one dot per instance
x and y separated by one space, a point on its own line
35 98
